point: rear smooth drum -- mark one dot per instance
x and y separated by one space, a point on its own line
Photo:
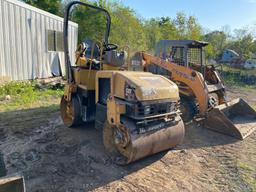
137 146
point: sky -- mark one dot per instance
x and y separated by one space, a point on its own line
211 14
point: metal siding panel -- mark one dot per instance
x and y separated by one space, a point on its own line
5 38
46 23
37 10
43 44
71 32
24 43
55 54
2 59
70 41
75 39
44 64
40 65
29 60
33 46
18 43
73 45
50 54
24 38
11 51
61 54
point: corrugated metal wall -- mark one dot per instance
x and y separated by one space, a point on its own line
23 41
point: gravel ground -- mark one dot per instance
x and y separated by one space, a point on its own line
51 157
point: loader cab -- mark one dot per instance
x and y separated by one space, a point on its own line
188 53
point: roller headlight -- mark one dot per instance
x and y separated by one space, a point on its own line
129 92
147 110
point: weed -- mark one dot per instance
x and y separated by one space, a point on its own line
234 78
244 166
241 71
26 93
247 173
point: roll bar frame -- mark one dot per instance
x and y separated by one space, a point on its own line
69 73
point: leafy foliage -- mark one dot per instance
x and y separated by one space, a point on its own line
128 29
218 40
52 6
24 94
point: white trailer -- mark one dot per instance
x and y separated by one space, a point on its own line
31 42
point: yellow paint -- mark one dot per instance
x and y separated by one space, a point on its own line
182 74
147 85
85 77
114 111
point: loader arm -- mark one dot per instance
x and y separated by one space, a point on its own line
193 79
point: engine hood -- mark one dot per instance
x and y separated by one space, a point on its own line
145 86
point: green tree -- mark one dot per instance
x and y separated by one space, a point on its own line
244 46
139 34
152 33
218 41
127 29
181 25
52 6
92 23
167 28
194 30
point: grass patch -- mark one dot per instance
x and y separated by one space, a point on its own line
241 71
234 80
25 94
247 173
244 166
231 82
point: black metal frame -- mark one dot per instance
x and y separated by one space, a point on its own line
137 110
185 45
69 73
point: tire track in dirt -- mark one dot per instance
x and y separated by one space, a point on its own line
75 160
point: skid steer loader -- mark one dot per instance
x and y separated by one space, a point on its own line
201 89
137 112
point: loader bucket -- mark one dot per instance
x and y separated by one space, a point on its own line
12 184
235 118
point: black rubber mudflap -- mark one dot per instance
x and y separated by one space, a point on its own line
101 116
3 170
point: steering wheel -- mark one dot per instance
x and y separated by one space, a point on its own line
111 46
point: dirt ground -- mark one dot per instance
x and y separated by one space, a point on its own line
54 158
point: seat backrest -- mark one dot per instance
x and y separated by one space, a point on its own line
115 58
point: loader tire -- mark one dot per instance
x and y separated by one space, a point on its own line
189 108
71 111
3 170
